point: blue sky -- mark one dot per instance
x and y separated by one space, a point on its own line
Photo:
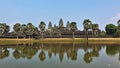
23 11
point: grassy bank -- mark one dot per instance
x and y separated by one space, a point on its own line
81 40
17 41
62 40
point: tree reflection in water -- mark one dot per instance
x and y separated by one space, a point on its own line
16 54
113 50
42 56
91 51
4 53
60 49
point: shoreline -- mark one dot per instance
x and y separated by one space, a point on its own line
62 40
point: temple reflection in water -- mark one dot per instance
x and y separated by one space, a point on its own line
69 50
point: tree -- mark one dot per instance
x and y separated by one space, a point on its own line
30 29
7 28
103 33
73 27
1 29
4 29
24 30
110 29
95 28
42 27
61 23
50 25
17 28
36 33
87 25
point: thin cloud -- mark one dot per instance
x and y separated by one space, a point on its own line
115 18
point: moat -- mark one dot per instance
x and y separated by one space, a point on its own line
60 55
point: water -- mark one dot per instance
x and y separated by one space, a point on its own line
68 55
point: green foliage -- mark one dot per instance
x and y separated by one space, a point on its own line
24 29
95 26
103 33
87 24
17 28
30 29
111 29
4 29
73 26
42 26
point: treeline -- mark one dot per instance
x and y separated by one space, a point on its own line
70 30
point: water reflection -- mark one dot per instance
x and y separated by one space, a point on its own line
69 50
113 50
42 56
4 53
94 52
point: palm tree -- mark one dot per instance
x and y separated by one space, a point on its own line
42 27
73 27
4 29
7 28
95 28
17 28
87 25
24 30
30 29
